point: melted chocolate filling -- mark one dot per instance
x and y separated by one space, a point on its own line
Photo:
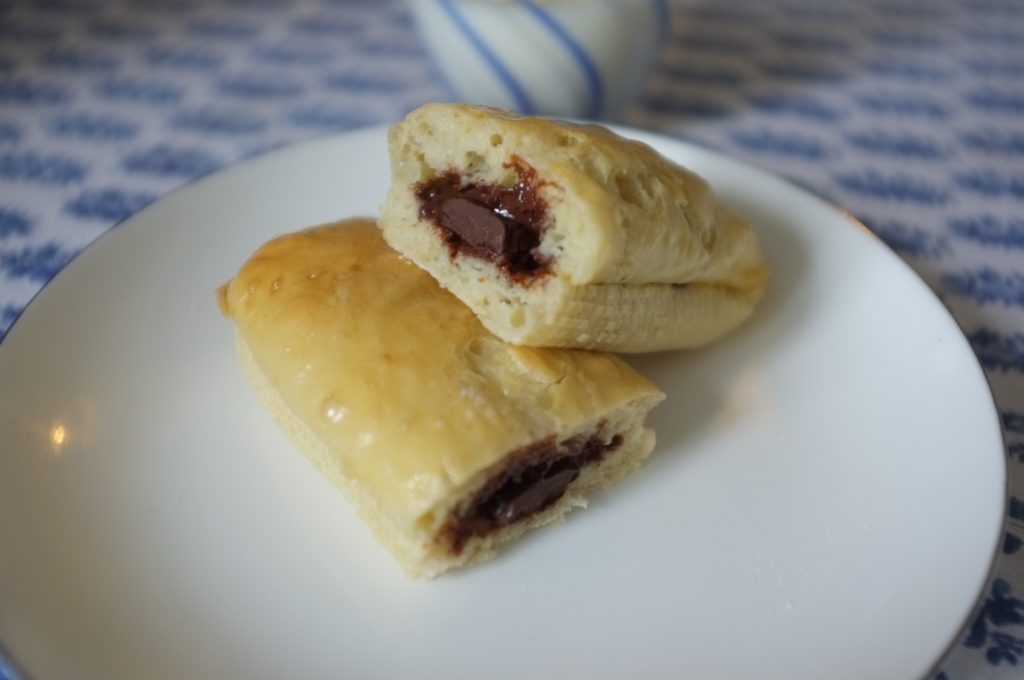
502 224
536 477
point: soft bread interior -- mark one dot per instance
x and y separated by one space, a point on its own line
643 256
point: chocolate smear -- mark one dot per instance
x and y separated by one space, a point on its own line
502 224
533 480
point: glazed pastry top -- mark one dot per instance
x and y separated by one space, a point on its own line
397 376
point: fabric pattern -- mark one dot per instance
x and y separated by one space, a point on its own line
908 115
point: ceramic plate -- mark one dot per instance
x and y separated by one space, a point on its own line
825 498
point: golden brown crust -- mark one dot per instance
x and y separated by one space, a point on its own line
395 387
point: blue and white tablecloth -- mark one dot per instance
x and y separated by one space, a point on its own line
910 115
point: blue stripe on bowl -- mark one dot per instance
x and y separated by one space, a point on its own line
511 84
595 84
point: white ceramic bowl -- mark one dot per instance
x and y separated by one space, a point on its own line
572 58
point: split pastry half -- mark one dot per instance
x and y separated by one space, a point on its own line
448 441
557 234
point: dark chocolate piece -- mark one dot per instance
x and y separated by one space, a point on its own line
533 480
502 224
475 224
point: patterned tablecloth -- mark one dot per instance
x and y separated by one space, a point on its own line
910 115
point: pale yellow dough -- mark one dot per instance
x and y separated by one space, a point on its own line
397 394
644 256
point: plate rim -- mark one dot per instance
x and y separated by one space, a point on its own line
12 670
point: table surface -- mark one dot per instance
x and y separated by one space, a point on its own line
908 115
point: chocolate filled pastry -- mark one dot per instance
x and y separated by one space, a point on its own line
557 234
448 441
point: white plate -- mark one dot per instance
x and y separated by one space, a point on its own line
825 499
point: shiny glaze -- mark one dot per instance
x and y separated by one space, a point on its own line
396 375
